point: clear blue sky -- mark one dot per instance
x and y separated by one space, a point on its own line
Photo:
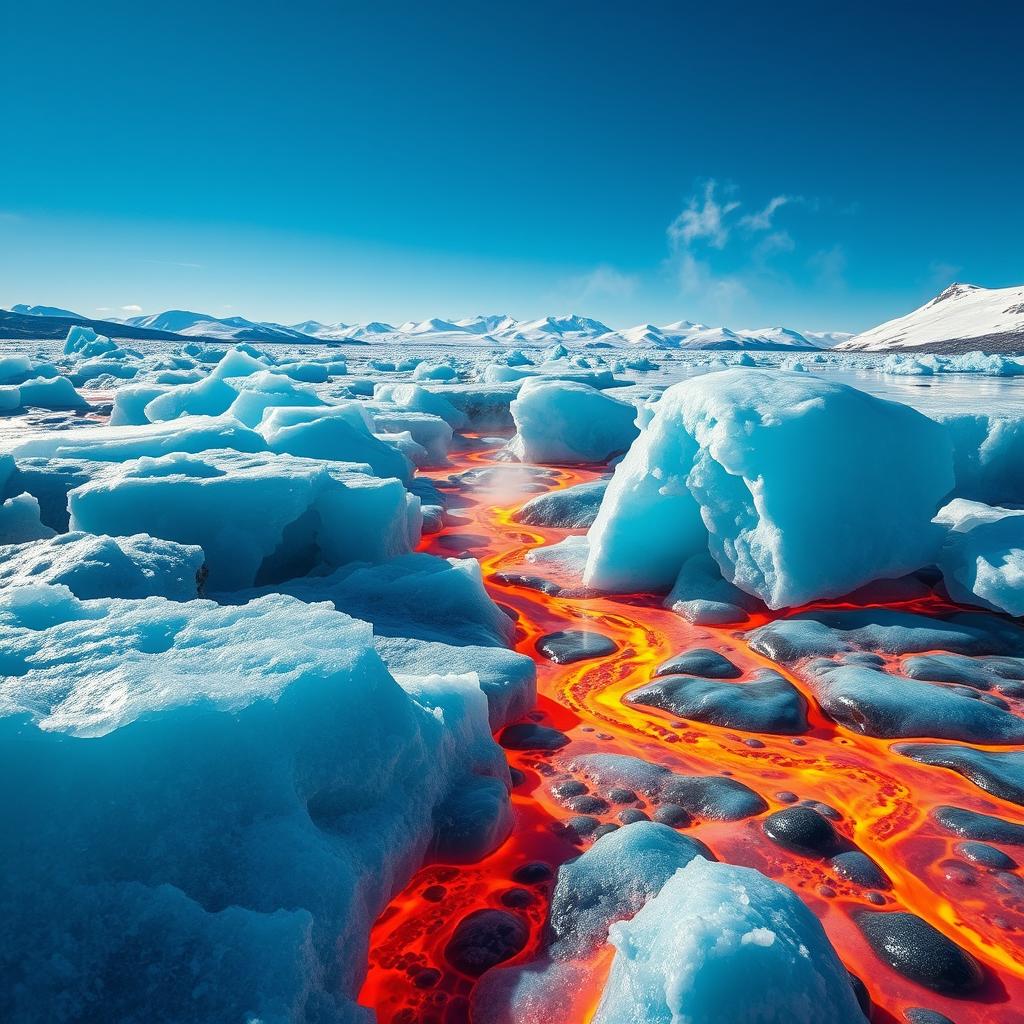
819 165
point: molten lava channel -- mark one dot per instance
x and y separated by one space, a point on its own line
884 802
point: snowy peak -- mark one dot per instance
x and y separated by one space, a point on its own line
42 310
961 317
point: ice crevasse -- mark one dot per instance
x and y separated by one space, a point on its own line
800 488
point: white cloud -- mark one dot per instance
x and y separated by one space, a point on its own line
131 309
704 219
697 278
762 220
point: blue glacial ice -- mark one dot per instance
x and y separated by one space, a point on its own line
681 957
227 795
800 488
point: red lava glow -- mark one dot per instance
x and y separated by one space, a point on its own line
884 800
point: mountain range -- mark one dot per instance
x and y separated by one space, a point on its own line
961 317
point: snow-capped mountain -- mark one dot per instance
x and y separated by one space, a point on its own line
828 339
205 325
41 310
963 316
684 334
567 325
320 332
495 329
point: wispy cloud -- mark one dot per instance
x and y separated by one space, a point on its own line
762 220
942 273
703 220
604 281
131 309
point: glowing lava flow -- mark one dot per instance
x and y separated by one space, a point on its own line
884 800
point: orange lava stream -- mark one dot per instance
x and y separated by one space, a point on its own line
884 799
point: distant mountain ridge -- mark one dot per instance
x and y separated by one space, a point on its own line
962 317
498 329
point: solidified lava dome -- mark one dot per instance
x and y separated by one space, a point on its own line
505 689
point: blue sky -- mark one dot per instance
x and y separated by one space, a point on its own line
823 166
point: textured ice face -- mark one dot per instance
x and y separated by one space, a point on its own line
982 558
259 518
564 422
230 794
712 925
799 487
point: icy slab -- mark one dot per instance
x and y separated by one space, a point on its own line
20 521
487 407
801 488
228 796
572 508
561 422
413 398
340 433
260 518
431 432
51 393
982 557
988 456
93 567
507 679
117 444
680 957
413 595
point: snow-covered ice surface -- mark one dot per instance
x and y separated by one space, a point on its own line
264 608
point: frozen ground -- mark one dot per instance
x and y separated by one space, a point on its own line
596 678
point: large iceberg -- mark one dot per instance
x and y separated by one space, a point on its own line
565 422
214 803
722 943
801 488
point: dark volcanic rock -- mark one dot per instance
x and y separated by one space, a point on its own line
985 855
716 797
857 867
462 541
803 830
570 645
701 661
918 1015
532 872
530 736
672 814
984 827
768 704
520 579
878 704
886 631
484 939
1001 774
910 945
572 508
